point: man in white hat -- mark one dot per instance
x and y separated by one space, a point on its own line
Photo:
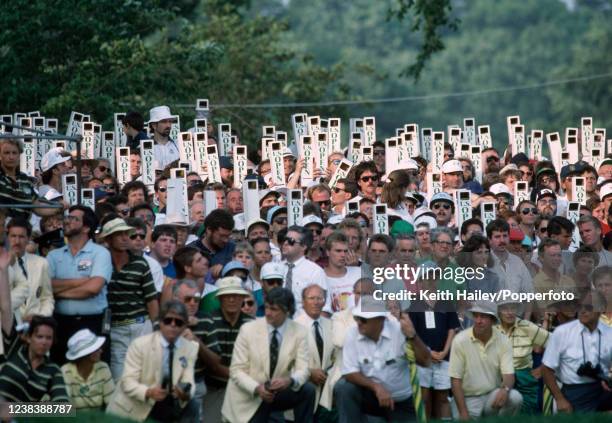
375 368
55 163
481 368
452 175
165 148
132 296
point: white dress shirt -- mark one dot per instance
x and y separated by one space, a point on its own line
166 354
383 361
306 273
564 353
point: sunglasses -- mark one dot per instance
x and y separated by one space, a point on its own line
248 303
316 231
373 178
103 168
162 189
278 282
337 190
543 230
444 206
323 203
280 221
170 320
192 299
379 153
528 210
139 236
529 173
292 241
492 159
107 187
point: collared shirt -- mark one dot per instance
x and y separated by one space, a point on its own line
280 332
91 393
306 273
166 355
513 274
564 353
91 261
164 154
205 332
130 289
543 283
17 191
480 367
226 335
384 361
524 335
19 382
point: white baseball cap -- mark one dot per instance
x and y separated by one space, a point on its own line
451 166
311 218
54 157
605 190
369 308
159 113
500 188
272 270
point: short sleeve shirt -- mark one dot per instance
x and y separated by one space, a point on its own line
17 191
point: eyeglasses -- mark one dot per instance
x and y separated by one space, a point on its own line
192 299
292 241
528 210
447 243
444 206
372 178
248 303
492 159
139 236
316 231
280 221
170 320
107 187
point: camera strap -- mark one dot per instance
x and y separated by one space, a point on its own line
584 361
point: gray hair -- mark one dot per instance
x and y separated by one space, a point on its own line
174 306
177 286
586 218
436 232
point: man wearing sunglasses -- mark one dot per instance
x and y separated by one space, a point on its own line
299 271
137 247
344 191
158 381
269 370
490 160
375 369
316 253
366 176
443 207
277 219
132 297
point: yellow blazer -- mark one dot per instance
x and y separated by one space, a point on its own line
251 366
143 370
33 295
314 361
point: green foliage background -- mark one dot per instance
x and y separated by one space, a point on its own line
108 56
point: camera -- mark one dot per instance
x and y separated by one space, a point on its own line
587 370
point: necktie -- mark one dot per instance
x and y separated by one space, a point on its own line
273 352
318 340
22 265
170 360
289 277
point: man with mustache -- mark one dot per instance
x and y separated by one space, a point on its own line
165 149
546 202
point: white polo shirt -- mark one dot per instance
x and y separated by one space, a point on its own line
164 154
564 353
383 361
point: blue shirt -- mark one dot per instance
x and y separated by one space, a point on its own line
170 270
91 261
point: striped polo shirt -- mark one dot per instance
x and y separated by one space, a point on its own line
91 393
524 335
18 191
10 343
129 291
205 332
19 382
226 335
